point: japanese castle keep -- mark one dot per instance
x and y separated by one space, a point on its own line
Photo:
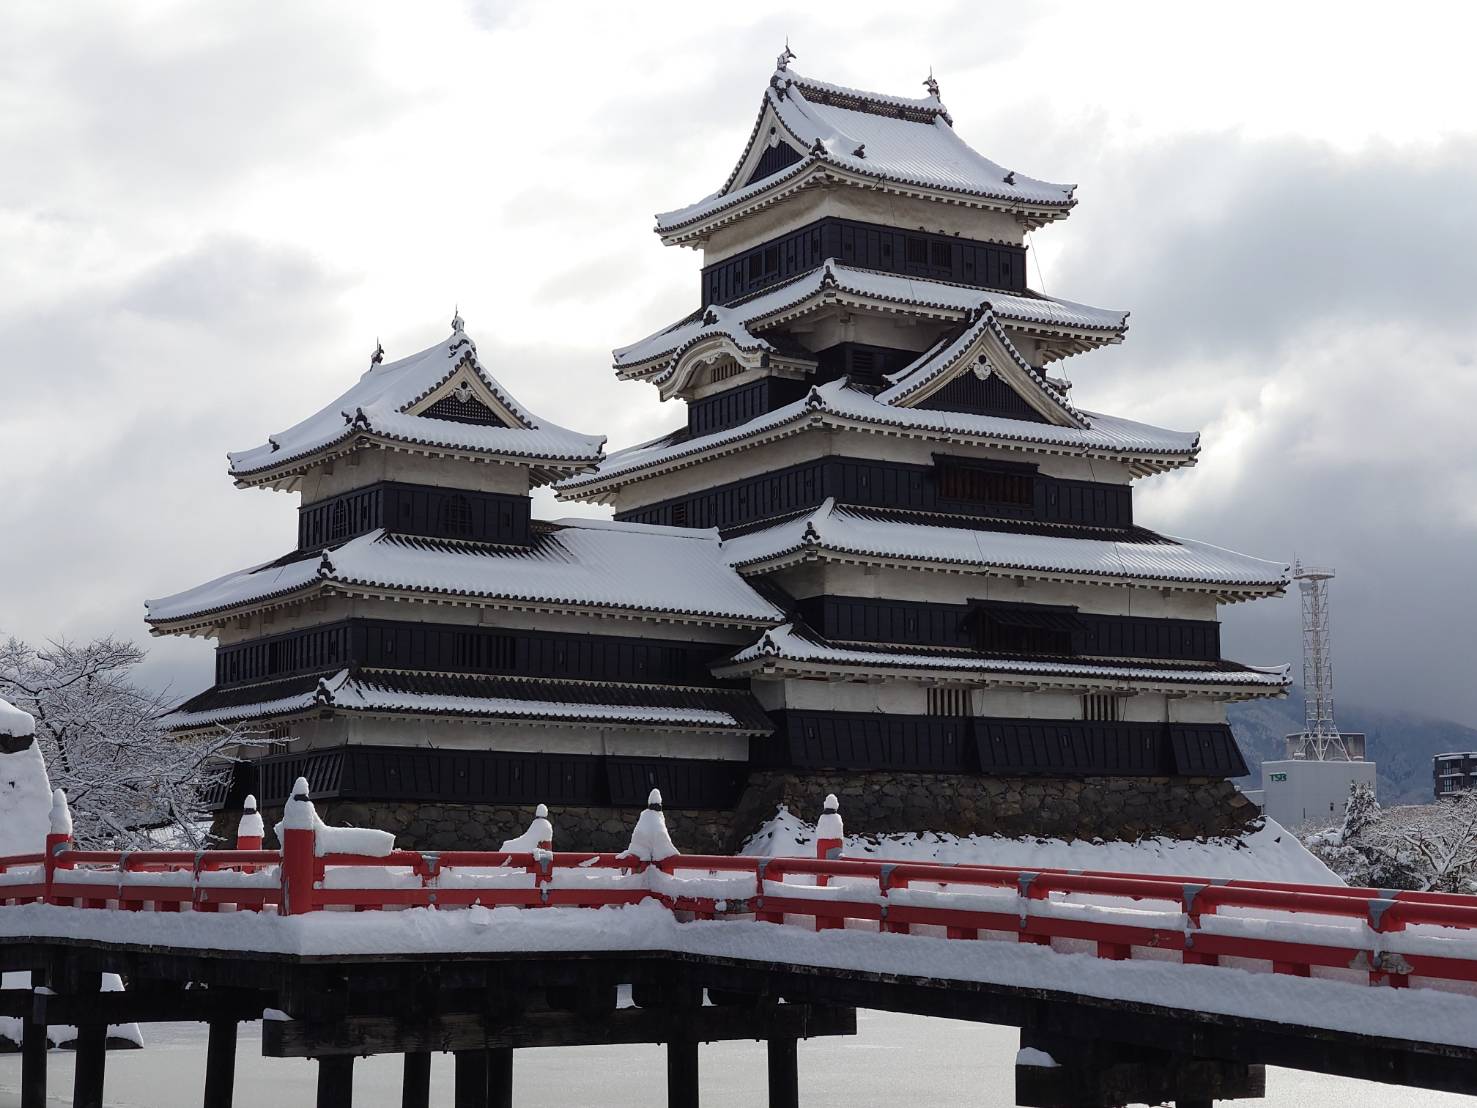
886 555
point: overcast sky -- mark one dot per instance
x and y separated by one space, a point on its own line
209 212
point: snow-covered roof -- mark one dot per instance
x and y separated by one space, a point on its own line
572 562
15 723
658 353
1145 558
1146 448
481 697
869 138
789 644
388 403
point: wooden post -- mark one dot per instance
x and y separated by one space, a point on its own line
500 1077
336 1081
471 1079
682 1076
784 1073
92 1052
298 852
415 1090
33 1064
220 1064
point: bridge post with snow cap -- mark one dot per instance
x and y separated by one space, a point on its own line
298 835
830 836
58 839
250 831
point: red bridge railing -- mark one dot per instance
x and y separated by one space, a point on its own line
1384 937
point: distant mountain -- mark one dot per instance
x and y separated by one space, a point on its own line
1401 744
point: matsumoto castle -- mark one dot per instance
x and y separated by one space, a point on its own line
885 555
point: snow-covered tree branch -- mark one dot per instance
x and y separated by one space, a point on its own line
1431 848
130 782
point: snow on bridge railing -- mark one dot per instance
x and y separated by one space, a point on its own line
1386 937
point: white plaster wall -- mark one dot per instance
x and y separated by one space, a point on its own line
375 465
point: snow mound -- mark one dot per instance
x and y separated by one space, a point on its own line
1267 854
539 831
14 722
299 814
25 801
650 840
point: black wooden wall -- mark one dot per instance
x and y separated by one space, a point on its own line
1001 747
963 626
424 510
395 773
450 648
868 246
1018 492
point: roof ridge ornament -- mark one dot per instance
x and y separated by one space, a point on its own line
325 566
787 55
379 354
457 323
931 84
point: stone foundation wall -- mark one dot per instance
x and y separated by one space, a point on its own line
872 803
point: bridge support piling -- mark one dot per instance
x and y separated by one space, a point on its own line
415 1088
500 1077
336 1081
472 1078
784 1072
682 1073
33 1064
220 1064
92 1051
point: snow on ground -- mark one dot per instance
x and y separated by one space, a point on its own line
1268 854
1427 1015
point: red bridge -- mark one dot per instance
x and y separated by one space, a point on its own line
1101 983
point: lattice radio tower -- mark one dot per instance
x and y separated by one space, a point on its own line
1320 740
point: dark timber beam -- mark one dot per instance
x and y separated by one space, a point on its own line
336 1081
130 1006
220 1064
362 1035
415 1089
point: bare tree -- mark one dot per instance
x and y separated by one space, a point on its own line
130 782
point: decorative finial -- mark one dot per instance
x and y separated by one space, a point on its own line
457 324
931 85
786 57
378 355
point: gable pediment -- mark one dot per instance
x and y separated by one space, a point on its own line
981 372
465 397
771 150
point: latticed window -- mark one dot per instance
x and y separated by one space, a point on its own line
950 702
1102 707
983 486
338 521
456 516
